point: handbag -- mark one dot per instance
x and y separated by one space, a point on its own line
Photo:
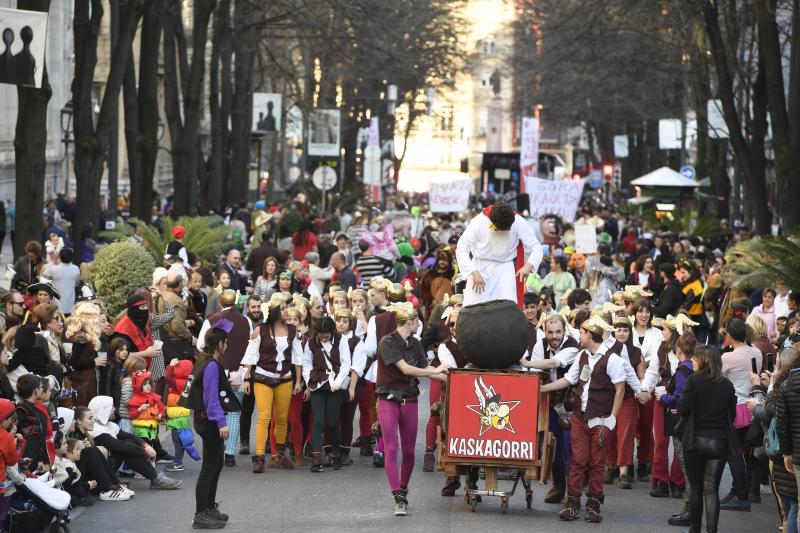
772 445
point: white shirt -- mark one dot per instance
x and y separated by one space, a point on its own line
782 305
342 378
370 346
446 356
492 253
564 357
358 357
615 370
252 355
652 376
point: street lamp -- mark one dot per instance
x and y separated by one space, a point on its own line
66 131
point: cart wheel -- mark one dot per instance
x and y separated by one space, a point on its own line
529 499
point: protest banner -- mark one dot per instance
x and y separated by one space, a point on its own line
585 239
529 151
450 196
554 197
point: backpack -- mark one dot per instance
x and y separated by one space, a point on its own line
772 445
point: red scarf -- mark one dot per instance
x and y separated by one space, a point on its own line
519 262
142 341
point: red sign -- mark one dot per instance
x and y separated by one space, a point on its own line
492 415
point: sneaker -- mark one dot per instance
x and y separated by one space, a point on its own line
680 519
214 513
244 448
317 468
114 496
377 460
165 459
230 460
162 482
175 467
400 505
203 520
125 488
728 497
137 475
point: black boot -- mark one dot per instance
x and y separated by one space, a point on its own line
336 459
661 490
643 473
316 462
682 518
344 453
559 488
611 476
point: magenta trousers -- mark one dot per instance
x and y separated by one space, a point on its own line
398 421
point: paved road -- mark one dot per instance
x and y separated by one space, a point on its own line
357 499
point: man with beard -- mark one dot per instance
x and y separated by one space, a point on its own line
15 308
437 282
554 354
238 375
254 318
134 327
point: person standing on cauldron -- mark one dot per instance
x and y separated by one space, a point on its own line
495 254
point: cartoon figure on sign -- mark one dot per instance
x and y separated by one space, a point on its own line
494 413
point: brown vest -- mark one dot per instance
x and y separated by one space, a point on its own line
664 368
237 338
390 377
319 369
635 357
601 391
569 342
268 350
456 351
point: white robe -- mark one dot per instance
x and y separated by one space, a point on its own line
492 253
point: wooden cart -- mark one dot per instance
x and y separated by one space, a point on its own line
514 414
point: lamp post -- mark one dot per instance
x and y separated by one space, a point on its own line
66 138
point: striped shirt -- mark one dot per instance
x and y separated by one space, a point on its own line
370 266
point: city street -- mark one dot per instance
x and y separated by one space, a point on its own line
357 499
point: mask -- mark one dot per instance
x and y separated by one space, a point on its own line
139 316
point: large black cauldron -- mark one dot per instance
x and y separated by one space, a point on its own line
492 335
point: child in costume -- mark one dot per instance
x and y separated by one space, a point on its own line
177 374
8 453
145 408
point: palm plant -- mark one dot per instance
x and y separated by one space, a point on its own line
762 261
205 236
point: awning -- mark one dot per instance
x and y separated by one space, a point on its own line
640 200
664 177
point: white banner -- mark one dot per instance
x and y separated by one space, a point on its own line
450 196
24 43
529 150
554 197
585 239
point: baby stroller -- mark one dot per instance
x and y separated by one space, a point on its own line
36 507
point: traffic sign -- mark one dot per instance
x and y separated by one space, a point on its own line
324 178
688 171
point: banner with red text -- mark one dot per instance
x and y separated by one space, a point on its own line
529 150
449 196
491 415
554 197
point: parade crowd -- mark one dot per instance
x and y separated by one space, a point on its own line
659 372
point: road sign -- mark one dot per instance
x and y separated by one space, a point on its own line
596 179
324 178
688 171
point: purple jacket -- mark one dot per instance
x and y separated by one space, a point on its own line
671 400
213 409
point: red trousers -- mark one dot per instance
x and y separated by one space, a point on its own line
620 446
646 432
295 426
587 454
366 408
662 471
433 421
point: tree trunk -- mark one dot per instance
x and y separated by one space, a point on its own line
133 142
748 162
92 144
185 133
219 108
787 161
244 49
147 111
30 146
